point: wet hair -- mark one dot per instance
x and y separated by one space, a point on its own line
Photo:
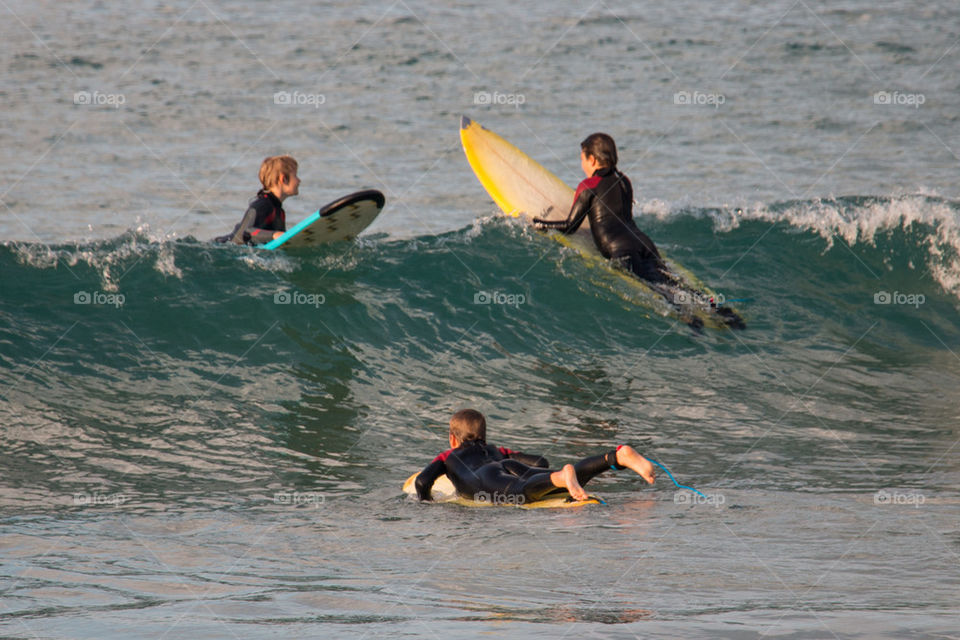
274 167
602 147
468 425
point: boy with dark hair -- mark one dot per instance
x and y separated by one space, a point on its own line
606 197
476 468
265 219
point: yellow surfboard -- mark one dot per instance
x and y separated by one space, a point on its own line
443 491
521 186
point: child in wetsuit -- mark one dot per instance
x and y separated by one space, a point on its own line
606 197
265 219
480 471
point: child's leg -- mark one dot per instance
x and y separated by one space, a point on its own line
622 457
573 477
628 457
566 478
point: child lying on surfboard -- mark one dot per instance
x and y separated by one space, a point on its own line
265 219
478 469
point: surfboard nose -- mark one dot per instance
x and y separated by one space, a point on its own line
465 122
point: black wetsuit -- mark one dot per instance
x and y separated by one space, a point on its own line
607 199
264 217
482 472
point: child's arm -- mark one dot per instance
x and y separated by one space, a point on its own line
428 476
263 236
579 210
256 234
247 232
240 234
526 458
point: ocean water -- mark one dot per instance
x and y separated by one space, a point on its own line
204 441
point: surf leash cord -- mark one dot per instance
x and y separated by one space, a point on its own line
670 475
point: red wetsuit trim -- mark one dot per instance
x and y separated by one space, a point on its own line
443 456
586 183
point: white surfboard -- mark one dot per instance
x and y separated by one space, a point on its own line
342 219
444 491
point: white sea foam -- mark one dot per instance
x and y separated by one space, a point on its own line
858 222
111 262
863 223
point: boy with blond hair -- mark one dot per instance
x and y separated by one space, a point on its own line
476 468
265 219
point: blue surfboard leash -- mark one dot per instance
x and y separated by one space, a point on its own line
670 475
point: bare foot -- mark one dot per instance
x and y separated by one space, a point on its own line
629 458
569 475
